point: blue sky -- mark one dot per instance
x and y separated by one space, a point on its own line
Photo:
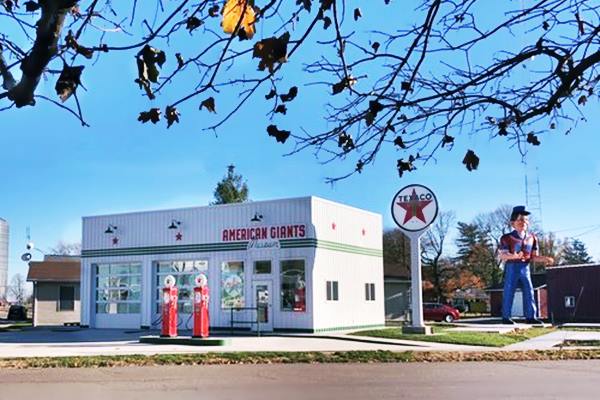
53 171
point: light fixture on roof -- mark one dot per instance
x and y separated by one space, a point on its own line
174 224
110 229
257 217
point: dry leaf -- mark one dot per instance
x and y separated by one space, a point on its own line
236 10
209 104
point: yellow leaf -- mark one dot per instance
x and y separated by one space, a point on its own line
233 11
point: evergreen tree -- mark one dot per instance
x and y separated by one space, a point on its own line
231 189
396 252
476 253
575 253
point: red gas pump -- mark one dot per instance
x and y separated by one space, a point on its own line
169 308
201 297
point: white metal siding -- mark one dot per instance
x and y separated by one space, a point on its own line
198 225
360 229
352 272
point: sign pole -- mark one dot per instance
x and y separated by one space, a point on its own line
414 208
416 286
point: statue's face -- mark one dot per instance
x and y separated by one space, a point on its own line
521 223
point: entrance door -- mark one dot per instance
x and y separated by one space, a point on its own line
262 298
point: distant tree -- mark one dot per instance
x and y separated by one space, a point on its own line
231 189
396 250
433 250
66 249
476 253
493 225
462 280
551 246
17 288
575 253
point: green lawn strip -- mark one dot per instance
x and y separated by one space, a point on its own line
442 334
580 329
15 327
296 358
207 359
579 343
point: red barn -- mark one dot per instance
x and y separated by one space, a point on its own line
574 293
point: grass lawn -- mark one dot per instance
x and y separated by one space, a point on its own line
577 343
442 334
17 326
299 358
580 328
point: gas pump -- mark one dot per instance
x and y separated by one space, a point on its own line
169 308
201 298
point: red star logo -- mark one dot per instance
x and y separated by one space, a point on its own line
333 225
179 236
414 207
115 241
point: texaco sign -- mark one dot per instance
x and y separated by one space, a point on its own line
414 208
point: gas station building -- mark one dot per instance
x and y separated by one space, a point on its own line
315 264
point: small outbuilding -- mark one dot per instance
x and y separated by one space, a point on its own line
540 294
55 290
574 293
397 290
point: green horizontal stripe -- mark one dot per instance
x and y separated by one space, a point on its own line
345 328
234 246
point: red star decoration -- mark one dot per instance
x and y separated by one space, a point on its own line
115 241
179 236
364 232
333 225
414 207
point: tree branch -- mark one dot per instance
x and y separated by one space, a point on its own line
45 47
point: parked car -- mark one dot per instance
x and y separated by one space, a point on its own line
440 312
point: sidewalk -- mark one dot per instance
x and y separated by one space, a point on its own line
63 342
553 340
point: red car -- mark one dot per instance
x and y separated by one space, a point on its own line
440 312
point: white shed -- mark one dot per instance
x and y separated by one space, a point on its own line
318 264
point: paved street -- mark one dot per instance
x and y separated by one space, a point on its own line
506 380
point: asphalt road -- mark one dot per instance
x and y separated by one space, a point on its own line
469 380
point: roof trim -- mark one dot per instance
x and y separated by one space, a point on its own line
249 203
574 266
502 289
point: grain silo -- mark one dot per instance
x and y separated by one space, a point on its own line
3 257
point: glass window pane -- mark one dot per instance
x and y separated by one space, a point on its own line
201 266
184 271
119 269
134 308
335 290
293 286
262 267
